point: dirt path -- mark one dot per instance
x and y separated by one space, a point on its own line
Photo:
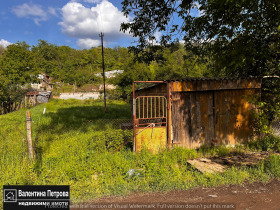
248 196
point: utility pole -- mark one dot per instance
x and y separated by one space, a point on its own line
103 66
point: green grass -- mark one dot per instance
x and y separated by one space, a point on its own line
76 146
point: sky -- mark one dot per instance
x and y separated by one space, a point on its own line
74 23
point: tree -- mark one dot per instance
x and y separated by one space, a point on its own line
2 50
240 36
46 55
17 68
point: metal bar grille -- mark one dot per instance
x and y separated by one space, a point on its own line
151 107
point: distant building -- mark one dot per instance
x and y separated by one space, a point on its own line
107 86
110 74
45 82
81 96
34 97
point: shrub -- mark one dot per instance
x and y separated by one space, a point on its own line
266 143
272 166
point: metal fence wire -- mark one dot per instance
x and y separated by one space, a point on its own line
115 133
275 127
124 124
109 134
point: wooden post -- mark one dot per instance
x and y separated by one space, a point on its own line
103 67
134 118
169 121
29 135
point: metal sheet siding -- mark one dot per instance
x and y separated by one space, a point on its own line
206 111
212 112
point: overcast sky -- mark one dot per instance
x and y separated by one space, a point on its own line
75 23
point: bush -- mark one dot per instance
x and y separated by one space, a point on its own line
267 143
272 166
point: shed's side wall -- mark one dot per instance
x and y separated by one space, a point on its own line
192 119
212 117
234 116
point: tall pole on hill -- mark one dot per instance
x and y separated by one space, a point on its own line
103 66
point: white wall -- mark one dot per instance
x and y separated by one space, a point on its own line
80 96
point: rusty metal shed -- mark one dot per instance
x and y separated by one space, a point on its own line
190 113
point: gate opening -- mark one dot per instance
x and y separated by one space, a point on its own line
149 122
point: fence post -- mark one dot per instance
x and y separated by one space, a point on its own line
29 135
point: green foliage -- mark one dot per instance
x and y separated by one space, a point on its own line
266 143
19 65
240 37
17 68
271 166
175 63
220 151
267 106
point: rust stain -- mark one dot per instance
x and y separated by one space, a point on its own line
154 139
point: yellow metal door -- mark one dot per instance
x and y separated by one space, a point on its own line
150 123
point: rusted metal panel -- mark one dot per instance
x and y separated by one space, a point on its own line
150 123
193 119
153 139
176 122
233 120
217 117
205 129
169 114
186 123
198 128
210 111
212 84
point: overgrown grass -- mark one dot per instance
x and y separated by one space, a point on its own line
75 146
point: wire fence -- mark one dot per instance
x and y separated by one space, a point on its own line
275 127
107 134
113 134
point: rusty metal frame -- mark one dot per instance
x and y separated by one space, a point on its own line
168 113
162 104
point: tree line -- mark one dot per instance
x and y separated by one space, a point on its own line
21 63
225 39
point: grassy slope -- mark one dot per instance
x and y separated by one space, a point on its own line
73 148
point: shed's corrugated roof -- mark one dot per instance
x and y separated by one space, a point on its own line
213 79
194 80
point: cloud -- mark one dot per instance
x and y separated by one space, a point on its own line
5 43
92 1
157 36
85 23
52 11
88 1
88 43
33 11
